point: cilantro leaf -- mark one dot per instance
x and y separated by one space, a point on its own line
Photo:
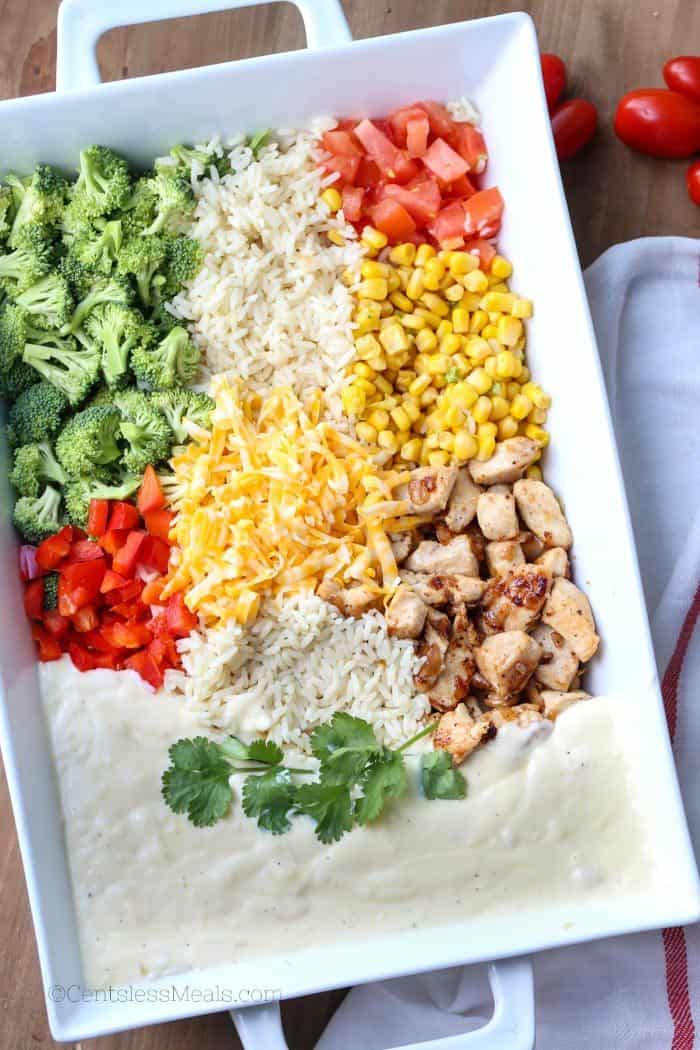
266 752
439 777
384 778
269 797
330 806
343 746
196 782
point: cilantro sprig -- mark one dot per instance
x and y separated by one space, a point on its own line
356 779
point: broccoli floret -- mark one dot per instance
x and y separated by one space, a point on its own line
102 395
104 290
13 336
98 249
16 380
174 200
140 209
145 429
183 258
103 184
172 362
37 517
37 414
178 405
31 259
79 491
163 321
50 591
66 365
40 200
49 300
142 258
89 440
117 329
34 465
7 210
181 159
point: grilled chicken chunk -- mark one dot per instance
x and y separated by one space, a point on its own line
555 561
405 613
559 663
568 612
496 514
532 546
508 463
460 734
401 545
555 702
507 661
502 556
445 588
452 684
461 507
540 510
513 602
522 714
350 601
453 557
432 649
428 489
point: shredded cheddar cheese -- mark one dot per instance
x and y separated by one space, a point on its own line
271 500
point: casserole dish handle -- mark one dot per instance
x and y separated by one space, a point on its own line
512 1024
81 23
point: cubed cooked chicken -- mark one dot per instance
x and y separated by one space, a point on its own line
452 684
559 663
555 561
461 507
350 601
513 602
496 514
540 510
555 702
502 556
432 649
453 557
532 545
405 613
445 588
401 545
460 734
522 715
428 489
508 463
568 612
507 661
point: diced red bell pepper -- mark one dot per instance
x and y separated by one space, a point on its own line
85 660
125 560
483 212
112 581
85 619
444 162
484 249
154 554
469 143
158 625
421 200
164 651
123 516
448 227
341 143
34 599
145 666
126 635
379 147
98 516
131 589
441 123
114 540
392 219
96 640
133 612
345 166
55 624
159 522
151 593
79 585
49 647
352 202
52 551
179 619
85 550
150 495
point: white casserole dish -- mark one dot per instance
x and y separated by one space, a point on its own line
495 63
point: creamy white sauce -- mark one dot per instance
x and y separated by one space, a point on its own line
549 817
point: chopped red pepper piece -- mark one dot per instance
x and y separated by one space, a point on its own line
126 635
113 540
155 554
150 496
125 560
52 551
90 661
180 620
98 515
55 624
79 585
158 523
112 581
34 599
144 665
49 648
85 619
124 516
150 595
85 550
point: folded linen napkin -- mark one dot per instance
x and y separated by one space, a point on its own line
640 991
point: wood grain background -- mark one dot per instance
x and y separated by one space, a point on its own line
610 46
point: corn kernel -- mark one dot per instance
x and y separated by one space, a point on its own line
522 308
415 287
488 429
497 302
444 328
435 266
426 339
383 385
431 319
454 293
367 318
354 400
435 303
470 301
366 386
429 397
489 331
401 418
534 473
402 436
404 378
374 288
393 338
379 419
461 263
460 319
505 364
500 267
336 237
387 440
386 309
537 395
450 345
446 440
487 447
476 281
403 254
463 395
401 301
465 446
413 322
538 415
431 281
498 286
507 428
432 441
499 408
438 364
411 450
366 432
524 375
489 367
362 369
520 407
424 253
419 384
509 330
477 348
439 458
374 238
481 410
393 281
480 380
368 346
536 433
411 408
348 276
370 268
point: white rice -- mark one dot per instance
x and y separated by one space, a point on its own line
296 665
267 304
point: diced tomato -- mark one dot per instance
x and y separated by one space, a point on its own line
145 666
49 648
124 516
98 515
341 143
158 522
52 551
154 554
150 595
124 561
55 624
180 620
462 188
484 249
406 168
441 123
442 160
352 204
34 599
150 495
113 540
112 581
85 619
392 219
417 132
126 635
345 166
379 146
368 174
85 550
483 212
469 143
79 585
91 661
400 119
421 199
449 224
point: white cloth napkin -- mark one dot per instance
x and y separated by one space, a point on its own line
637 991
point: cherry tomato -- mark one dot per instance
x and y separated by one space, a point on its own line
659 122
573 126
683 74
554 77
692 178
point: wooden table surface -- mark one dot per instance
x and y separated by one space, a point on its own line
614 195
